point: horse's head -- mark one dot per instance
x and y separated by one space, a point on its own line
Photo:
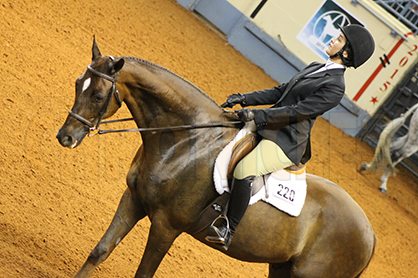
96 98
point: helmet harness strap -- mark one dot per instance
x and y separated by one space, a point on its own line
340 53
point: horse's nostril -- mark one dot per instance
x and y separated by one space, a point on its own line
66 140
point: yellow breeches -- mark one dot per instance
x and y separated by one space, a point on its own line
267 157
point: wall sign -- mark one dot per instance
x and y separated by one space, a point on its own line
323 26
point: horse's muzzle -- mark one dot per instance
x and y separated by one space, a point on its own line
69 140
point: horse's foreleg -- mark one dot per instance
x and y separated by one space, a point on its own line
160 239
282 270
126 216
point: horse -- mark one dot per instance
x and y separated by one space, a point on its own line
170 179
390 152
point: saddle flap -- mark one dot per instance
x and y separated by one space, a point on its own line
240 150
258 183
209 214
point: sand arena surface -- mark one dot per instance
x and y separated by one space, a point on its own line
56 203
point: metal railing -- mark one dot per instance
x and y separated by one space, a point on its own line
393 32
403 10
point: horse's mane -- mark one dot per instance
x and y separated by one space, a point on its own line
148 63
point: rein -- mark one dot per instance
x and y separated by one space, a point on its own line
153 129
114 92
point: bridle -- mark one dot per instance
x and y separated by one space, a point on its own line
114 92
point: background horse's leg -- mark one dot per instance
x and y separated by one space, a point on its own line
161 237
364 166
389 169
384 179
126 216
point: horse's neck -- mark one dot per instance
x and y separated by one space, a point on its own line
157 97
156 91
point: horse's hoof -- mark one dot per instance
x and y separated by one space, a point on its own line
363 167
384 191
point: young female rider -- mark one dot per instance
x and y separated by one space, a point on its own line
286 126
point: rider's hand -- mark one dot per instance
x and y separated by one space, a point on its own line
246 115
233 99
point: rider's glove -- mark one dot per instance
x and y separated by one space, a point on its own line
246 115
234 99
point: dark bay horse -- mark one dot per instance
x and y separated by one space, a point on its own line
170 179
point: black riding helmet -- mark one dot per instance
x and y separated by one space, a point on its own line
360 44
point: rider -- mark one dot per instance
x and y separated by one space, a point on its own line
285 127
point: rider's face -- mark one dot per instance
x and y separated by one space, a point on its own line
336 44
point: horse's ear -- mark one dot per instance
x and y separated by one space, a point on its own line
119 65
95 49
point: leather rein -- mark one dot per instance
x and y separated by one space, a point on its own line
114 92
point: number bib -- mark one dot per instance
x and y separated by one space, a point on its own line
285 191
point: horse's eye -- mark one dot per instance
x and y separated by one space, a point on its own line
98 98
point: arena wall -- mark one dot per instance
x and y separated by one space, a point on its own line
282 37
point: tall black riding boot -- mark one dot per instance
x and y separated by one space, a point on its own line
238 203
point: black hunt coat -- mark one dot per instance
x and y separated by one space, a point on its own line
297 103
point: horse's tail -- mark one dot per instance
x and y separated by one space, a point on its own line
410 111
371 255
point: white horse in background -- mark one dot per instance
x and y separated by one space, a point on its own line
388 150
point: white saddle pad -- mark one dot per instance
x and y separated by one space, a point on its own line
283 190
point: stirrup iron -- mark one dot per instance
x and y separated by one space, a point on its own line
219 237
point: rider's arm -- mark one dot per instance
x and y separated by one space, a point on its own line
268 96
312 106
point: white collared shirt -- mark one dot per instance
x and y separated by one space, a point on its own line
328 66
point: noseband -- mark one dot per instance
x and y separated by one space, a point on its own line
113 92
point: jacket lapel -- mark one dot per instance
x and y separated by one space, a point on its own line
309 69
312 68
